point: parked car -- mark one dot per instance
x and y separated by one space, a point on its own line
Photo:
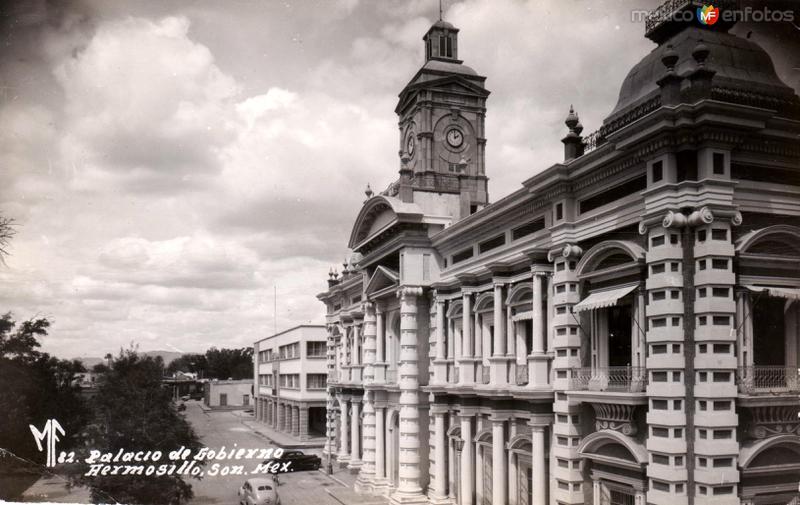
258 491
299 461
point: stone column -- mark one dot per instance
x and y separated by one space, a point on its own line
296 421
440 455
538 465
538 376
513 468
380 443
303 428
467 460
409 489
279 425
639 498
344 431
498 362
596 491
439 364
366 476
511 334
370 344
355 440
499 494
467 372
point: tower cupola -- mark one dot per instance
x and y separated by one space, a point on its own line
441 42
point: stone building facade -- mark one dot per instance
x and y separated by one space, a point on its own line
623 329
291 379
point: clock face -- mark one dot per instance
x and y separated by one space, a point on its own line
410 144
454 137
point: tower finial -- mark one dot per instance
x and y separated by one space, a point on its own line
440 10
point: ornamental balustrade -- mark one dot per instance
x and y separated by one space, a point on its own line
619 379
766 379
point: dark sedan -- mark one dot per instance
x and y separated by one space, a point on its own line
298 461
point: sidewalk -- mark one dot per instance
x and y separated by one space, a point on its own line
280 438
54 489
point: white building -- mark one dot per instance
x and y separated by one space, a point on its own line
291 377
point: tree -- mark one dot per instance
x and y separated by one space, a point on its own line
6 232
35 387
230 363
132 411
193 363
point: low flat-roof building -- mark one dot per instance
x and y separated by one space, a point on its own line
228 393
291 373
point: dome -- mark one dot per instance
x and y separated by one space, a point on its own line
448 66
739 64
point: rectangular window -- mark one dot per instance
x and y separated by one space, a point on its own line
721 320
676 348
660 322
492 243
657 269
720 292
719 234
722 406
701 235
676 321
659 376
660 405
723 434
719 264
660 459
658 171
559 211
723 462
463 255
675 266
316 381
675 294
528 229
678 433
701 265
702 462
613 194
718 160
722 348
658 295
316 349
656 241
722 376
723 490
674 238
703 434
659 349
701 293
660 486
660 432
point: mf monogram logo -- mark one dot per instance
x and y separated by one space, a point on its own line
50 433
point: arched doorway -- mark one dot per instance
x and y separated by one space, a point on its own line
454 469
611 311
770 469
767 309
616 467
520 472
483 465
393 448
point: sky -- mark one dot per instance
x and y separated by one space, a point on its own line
170 165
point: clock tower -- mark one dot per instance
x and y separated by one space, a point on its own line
442 138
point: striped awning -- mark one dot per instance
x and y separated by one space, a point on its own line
600 299
777 291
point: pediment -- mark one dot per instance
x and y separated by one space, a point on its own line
382 278
380 213
454 84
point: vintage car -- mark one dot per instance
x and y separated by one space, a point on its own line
299 461
259 491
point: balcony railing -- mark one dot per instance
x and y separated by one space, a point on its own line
618 379
761 379
521 374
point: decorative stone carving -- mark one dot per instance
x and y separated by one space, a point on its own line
615 417
571 251
642 228
674 220
736 218
770 421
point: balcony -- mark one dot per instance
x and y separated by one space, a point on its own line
615 379
762 380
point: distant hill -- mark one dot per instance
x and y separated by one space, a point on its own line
167 356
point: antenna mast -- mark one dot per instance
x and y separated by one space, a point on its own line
275 309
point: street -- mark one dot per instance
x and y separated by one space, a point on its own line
225 428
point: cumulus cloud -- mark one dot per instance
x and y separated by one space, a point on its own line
172 167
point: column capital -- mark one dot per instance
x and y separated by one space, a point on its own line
541 269
499 417
409 291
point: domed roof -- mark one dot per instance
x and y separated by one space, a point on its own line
739 64
449 66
